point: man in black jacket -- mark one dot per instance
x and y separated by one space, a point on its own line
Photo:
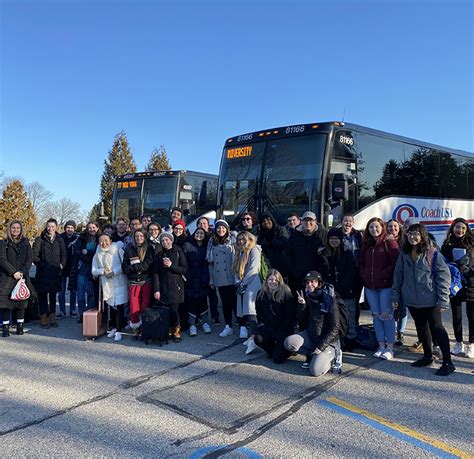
69 237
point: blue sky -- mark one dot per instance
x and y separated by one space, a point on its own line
189 74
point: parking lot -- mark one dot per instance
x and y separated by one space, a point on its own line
63 396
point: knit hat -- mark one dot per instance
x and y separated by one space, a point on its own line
70 223
180 222
221 223
166 234
335 232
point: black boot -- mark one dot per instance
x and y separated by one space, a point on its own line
5 330
19 328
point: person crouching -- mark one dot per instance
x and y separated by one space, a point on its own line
319 310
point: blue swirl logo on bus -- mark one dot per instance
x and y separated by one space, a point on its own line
404 211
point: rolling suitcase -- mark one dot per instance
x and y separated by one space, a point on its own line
94 323
156 325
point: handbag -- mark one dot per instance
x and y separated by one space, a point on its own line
20 292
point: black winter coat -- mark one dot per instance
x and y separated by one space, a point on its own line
197 279
278 317
322 327
273 243
49 258
138 273
14 257
302 253
69 244
169 281
339 269
465 265
81 261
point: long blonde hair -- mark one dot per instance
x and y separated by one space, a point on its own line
279 294
242 253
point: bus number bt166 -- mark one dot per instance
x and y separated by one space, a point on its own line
294 129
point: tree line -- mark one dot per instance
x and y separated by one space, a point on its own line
33 204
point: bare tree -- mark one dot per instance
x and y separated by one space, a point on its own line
63 210
39 197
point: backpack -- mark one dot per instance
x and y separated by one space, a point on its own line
457 279
264 268
343 317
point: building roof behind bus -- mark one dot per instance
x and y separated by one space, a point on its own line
327 126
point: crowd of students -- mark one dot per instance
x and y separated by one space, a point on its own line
314 284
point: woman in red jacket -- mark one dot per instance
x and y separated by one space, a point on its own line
377 263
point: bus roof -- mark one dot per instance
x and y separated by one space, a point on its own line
328 126
152 174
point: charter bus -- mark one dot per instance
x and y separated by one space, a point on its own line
333 168
156 193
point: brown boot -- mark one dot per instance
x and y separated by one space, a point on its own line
44 321
52 319
177 334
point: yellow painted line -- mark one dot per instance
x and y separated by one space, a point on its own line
405 430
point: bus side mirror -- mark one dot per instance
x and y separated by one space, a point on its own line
340 187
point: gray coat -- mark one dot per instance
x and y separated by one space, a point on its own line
417 284
246 303
220 258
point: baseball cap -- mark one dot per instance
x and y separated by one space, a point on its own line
309 214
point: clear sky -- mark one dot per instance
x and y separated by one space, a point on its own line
189 74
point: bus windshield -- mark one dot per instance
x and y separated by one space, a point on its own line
159 196
279 176
127 199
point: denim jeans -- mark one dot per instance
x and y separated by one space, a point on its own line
62 297
380 302
85 294
351 312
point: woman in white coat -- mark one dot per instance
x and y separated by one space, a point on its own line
246 269
107 265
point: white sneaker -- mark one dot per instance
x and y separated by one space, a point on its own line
193 331
378 353
112 333
243 333
206 328
226 332
246 342
60 315
469 351
457 349
387 354
251 346
118 336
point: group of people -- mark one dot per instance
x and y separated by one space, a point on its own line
271 280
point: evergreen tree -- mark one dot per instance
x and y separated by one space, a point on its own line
15 204
158 160
119 161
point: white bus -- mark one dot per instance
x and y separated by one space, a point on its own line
335 168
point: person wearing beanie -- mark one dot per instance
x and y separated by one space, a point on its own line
273 238
179 232
318 314
220 256
69 236
169 271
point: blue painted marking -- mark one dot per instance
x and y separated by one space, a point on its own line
388 430
201 452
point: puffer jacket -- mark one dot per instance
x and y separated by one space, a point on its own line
420 284
170 281
321 323
138 273
377 263
198 270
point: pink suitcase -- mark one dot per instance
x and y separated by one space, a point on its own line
94 323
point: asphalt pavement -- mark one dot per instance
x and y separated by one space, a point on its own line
61 396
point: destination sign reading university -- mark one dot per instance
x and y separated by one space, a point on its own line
333 168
